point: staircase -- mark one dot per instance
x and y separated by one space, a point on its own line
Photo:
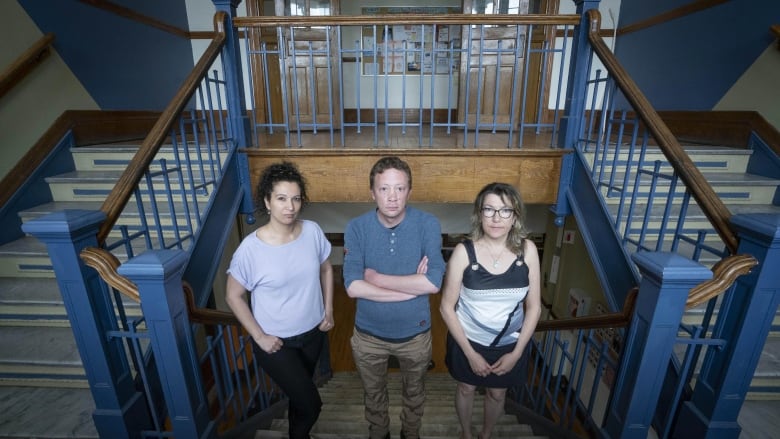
39 360
342 412
725 169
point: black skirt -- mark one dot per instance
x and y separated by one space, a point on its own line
459 368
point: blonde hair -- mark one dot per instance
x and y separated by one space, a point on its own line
510 195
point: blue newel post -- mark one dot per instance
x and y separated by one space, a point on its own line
120 411
725 377
158 276
666 280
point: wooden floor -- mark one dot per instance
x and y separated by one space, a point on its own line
398 137
344 316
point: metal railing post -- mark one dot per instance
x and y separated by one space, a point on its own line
666 280
744 322
158 276
120 411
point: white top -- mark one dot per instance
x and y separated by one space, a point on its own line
284 280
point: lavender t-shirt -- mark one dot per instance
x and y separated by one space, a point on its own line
284 280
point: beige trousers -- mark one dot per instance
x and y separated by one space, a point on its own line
371 356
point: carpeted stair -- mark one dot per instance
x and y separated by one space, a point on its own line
342 413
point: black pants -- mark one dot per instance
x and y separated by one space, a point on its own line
292 369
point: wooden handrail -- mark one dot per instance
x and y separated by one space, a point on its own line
702 192
106 264
724 273
117 199
390 19
207 316
612 320
25 63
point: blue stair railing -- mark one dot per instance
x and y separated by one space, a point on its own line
162 382
611 125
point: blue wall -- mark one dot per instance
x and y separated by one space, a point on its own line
689 63
123 64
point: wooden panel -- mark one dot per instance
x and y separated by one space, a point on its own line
438 176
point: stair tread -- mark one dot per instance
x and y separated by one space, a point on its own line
102 176
343 411
44 412
24 246
714 178
130 208
44 346
40 290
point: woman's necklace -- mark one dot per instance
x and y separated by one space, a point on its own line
496 259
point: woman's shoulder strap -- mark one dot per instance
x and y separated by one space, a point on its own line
469 246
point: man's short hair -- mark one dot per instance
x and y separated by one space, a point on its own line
390 162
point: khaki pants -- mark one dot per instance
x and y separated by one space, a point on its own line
371 355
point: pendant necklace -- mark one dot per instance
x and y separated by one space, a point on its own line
496 259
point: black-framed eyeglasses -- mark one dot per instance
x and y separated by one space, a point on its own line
489 212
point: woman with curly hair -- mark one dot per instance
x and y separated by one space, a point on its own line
284 265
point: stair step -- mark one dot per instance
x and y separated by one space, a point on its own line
38 302
731 187
706 158
450 429
28 257
343 411
43 412
97 185
48 356
116 158
129 217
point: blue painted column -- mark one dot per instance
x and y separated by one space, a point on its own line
120 411
574 104
576 87
158 276
236 102
666 280
725 377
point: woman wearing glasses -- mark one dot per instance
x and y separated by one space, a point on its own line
491 304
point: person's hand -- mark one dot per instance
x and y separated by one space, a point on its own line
504 364
369 275
478 365
327 323
422 267
269 344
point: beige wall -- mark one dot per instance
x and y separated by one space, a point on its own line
575 269
31 107
758 89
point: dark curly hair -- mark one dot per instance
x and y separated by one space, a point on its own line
274 173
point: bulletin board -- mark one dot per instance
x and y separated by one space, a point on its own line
410 49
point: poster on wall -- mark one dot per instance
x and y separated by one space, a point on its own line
399 48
